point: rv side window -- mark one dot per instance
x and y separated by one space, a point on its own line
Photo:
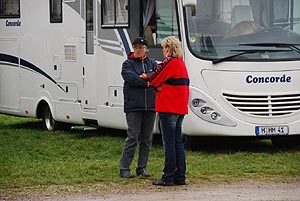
56 11
9 8
160 20
166 20
89 27
115 13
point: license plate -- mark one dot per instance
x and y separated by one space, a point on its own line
271 130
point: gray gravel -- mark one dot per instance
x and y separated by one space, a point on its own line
244 191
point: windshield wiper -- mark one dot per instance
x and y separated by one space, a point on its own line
277 45
292 47
229 58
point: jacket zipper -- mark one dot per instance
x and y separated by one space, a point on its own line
146 108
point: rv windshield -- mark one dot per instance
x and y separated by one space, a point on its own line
239 30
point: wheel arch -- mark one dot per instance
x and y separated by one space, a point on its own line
41 104
41 108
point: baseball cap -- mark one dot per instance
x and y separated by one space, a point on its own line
140 40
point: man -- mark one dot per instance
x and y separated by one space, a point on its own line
139 106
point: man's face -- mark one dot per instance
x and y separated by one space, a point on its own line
139 50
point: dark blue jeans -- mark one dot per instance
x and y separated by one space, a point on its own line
171 129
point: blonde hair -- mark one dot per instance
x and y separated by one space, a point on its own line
173 45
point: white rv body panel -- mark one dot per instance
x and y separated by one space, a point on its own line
240 85
47 61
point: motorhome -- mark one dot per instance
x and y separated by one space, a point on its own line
60 60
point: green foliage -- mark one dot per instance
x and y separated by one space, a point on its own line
31 157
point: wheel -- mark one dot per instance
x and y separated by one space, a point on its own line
48 122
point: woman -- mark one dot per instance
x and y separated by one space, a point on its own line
172 82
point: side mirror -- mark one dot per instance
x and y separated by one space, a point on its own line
189 3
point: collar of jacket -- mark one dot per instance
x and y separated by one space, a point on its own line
132 56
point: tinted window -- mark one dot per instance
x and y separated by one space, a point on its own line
9 8
115 13
56 11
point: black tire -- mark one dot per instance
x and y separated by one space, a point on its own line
48 122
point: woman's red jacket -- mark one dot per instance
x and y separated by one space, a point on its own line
172 82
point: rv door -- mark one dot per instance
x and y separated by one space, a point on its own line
88 90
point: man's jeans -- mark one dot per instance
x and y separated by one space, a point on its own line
171 128
140 131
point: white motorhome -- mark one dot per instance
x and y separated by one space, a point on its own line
60 60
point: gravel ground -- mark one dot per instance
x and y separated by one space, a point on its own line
243 191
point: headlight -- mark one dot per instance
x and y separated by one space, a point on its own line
195 102
206 108
203 110
214 116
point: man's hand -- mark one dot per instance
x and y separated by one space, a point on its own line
144 76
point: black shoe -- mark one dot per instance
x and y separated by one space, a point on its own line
142 172
162 182
125 174
180 183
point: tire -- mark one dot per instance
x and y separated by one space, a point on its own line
48 122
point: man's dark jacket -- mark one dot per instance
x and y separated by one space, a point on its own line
137 96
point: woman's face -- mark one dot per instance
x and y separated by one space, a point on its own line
165 51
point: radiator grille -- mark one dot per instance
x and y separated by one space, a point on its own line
265 105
